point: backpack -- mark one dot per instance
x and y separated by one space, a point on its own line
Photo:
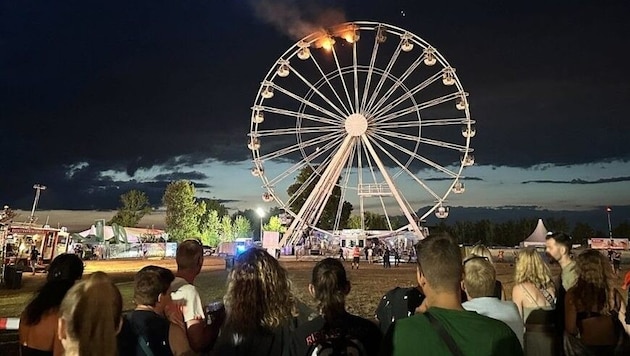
397 303
342 345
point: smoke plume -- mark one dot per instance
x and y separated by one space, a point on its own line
297 18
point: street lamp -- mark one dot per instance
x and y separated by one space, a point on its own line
261 214
38 188
608 211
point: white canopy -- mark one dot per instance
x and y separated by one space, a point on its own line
133 233
538 237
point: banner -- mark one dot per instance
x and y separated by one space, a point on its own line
605 243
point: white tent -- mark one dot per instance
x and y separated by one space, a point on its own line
538 237
133 233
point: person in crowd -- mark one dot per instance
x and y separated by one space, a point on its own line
34 256
189 258
356 257
534 295
341 256
329 287
625 285
148 329
38 322
396 257
386 262
479 285
558 247
483 251
370 255
594 306
90 317
445 327
616 262
259 306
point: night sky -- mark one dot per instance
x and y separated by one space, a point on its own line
99 97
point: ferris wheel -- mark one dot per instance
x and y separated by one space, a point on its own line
374 114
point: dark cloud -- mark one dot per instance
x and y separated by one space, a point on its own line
579 181
450 179
130 85
181 175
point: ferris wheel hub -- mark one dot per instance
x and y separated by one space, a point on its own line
356 125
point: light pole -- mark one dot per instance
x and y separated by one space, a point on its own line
608 210
261 214
38 188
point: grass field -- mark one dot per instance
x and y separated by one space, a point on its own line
369 283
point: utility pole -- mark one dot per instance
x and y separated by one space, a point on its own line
38 189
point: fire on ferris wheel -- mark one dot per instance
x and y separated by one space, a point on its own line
372 110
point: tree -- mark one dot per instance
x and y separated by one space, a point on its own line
242 226
354 222
182 211
275 224
135 205
214 204
227 231
327 219
209 226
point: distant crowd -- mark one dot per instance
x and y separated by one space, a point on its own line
458 307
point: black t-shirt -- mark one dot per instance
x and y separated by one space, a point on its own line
152 327
259 343
306 338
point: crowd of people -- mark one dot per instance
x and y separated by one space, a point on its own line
458 307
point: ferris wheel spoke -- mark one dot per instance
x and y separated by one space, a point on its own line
302 163
334 91
308 103
294 114
427 141
421 106
406 170
423 123
344 187
319 93
417 156
356 76
378 111
296 130
297 146
399 82
381 80
372 172
368 80
343 81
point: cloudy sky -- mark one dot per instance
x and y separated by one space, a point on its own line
97 98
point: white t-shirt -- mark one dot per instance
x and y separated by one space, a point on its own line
370 252
503 310
186 294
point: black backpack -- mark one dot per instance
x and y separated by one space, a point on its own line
397 303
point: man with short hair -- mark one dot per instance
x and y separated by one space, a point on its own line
445 327
558 247
479 285
189 258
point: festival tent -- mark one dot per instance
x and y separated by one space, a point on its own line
133 234
538 237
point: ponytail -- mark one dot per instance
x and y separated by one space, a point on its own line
92 310
330 286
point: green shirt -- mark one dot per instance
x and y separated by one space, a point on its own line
569 276
473 333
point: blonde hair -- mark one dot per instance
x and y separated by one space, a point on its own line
92 311
189 254
482 251
531 268
479 277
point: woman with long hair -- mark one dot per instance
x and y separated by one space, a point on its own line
334 327
90 317
534 295
259 307
595 310
38 322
